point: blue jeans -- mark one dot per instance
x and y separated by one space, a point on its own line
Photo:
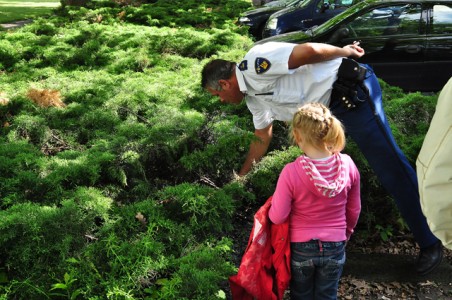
367 126
316 269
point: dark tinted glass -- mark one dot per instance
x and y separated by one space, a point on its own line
391 20
333 4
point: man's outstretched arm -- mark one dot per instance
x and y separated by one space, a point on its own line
258 148
310 53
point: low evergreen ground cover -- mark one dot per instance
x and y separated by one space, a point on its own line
117 169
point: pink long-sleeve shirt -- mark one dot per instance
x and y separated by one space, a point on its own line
321 198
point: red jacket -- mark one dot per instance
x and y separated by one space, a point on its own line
264 272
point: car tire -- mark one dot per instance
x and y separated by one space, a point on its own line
260 32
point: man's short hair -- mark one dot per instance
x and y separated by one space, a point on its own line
214 71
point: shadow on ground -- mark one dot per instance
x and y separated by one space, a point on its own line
392 267
394 275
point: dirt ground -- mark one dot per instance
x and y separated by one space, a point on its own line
387 271
14 25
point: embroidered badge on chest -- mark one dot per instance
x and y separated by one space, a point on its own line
262 65
243 66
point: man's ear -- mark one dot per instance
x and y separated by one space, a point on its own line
224 84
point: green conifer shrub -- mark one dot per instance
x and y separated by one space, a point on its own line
207 211
265 175
31 128
410 116
20 163
224 146
199 273
8 54
134 265
42 26
40 238
128 190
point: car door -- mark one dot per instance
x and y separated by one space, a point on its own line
439 45
393 37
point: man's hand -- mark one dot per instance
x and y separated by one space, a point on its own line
355 50
238 178
258 148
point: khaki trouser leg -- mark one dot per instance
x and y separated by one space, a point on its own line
434 169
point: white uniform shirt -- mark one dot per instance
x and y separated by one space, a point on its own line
264 70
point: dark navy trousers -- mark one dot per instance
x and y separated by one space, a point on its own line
368 127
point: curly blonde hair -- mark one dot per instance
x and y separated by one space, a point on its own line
319 127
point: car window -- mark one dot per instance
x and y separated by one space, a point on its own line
304 3
442 19
292 3
322 3
334 3
391 20
343 3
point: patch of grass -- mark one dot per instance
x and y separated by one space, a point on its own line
15 10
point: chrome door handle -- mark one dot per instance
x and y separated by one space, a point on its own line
413 49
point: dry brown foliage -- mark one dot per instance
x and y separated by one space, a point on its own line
46 98
121 14
3 99
98 19
141 218
129 2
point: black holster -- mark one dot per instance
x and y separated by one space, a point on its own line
350 78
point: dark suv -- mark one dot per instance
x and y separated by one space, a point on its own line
304 15
256 18
407 42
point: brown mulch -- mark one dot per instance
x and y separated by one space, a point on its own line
386 270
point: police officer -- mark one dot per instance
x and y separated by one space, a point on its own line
276 78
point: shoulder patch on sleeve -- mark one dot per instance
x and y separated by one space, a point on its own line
243 65
262 65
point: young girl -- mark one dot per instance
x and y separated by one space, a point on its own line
320 194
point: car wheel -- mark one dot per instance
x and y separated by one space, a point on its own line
260 31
